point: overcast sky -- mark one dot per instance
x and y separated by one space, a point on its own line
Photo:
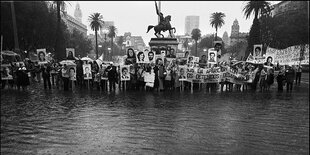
135 16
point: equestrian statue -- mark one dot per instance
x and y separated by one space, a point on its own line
164 25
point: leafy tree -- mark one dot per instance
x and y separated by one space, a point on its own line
120 41
96 24
217 21
60 6
196 35
80 43
256 7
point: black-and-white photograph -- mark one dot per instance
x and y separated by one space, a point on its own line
154 77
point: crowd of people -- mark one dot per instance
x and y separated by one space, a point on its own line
107 77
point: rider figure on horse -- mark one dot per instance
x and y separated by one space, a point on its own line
162 20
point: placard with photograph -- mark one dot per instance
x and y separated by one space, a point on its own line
41 54
72 72
87 71
212 58
258 51
70 53
125 74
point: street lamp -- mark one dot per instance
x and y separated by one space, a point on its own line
109 50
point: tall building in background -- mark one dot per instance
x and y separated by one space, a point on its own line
226 39
75 22
191 22
237 36
78 12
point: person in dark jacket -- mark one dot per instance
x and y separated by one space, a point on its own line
46 75
281 78
112 77
290 76
22 78
79 72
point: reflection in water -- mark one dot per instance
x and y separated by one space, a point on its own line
92 122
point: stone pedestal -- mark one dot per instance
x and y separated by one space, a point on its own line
160 45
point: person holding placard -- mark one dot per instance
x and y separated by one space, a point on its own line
46 75
65 77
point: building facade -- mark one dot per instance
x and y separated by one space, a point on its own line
135 42
75 23
226 39
191 22
237 36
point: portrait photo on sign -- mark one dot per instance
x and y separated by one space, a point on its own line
212 59
131 53
159 59
125 74
140 57
151 57
190 59
70 53
87 71
41 53
258 51
6 73
72 73
182 72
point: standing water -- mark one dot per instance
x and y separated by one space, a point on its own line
41 121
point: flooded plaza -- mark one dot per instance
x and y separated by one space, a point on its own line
40 121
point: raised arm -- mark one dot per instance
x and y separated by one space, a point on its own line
156 8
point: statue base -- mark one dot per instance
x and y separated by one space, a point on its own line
160 45
163 41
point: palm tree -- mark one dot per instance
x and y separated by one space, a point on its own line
96 23
196 34
258 8
112 34
217 21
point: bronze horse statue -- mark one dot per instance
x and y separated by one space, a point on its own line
164 26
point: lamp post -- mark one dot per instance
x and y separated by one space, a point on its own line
109 50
